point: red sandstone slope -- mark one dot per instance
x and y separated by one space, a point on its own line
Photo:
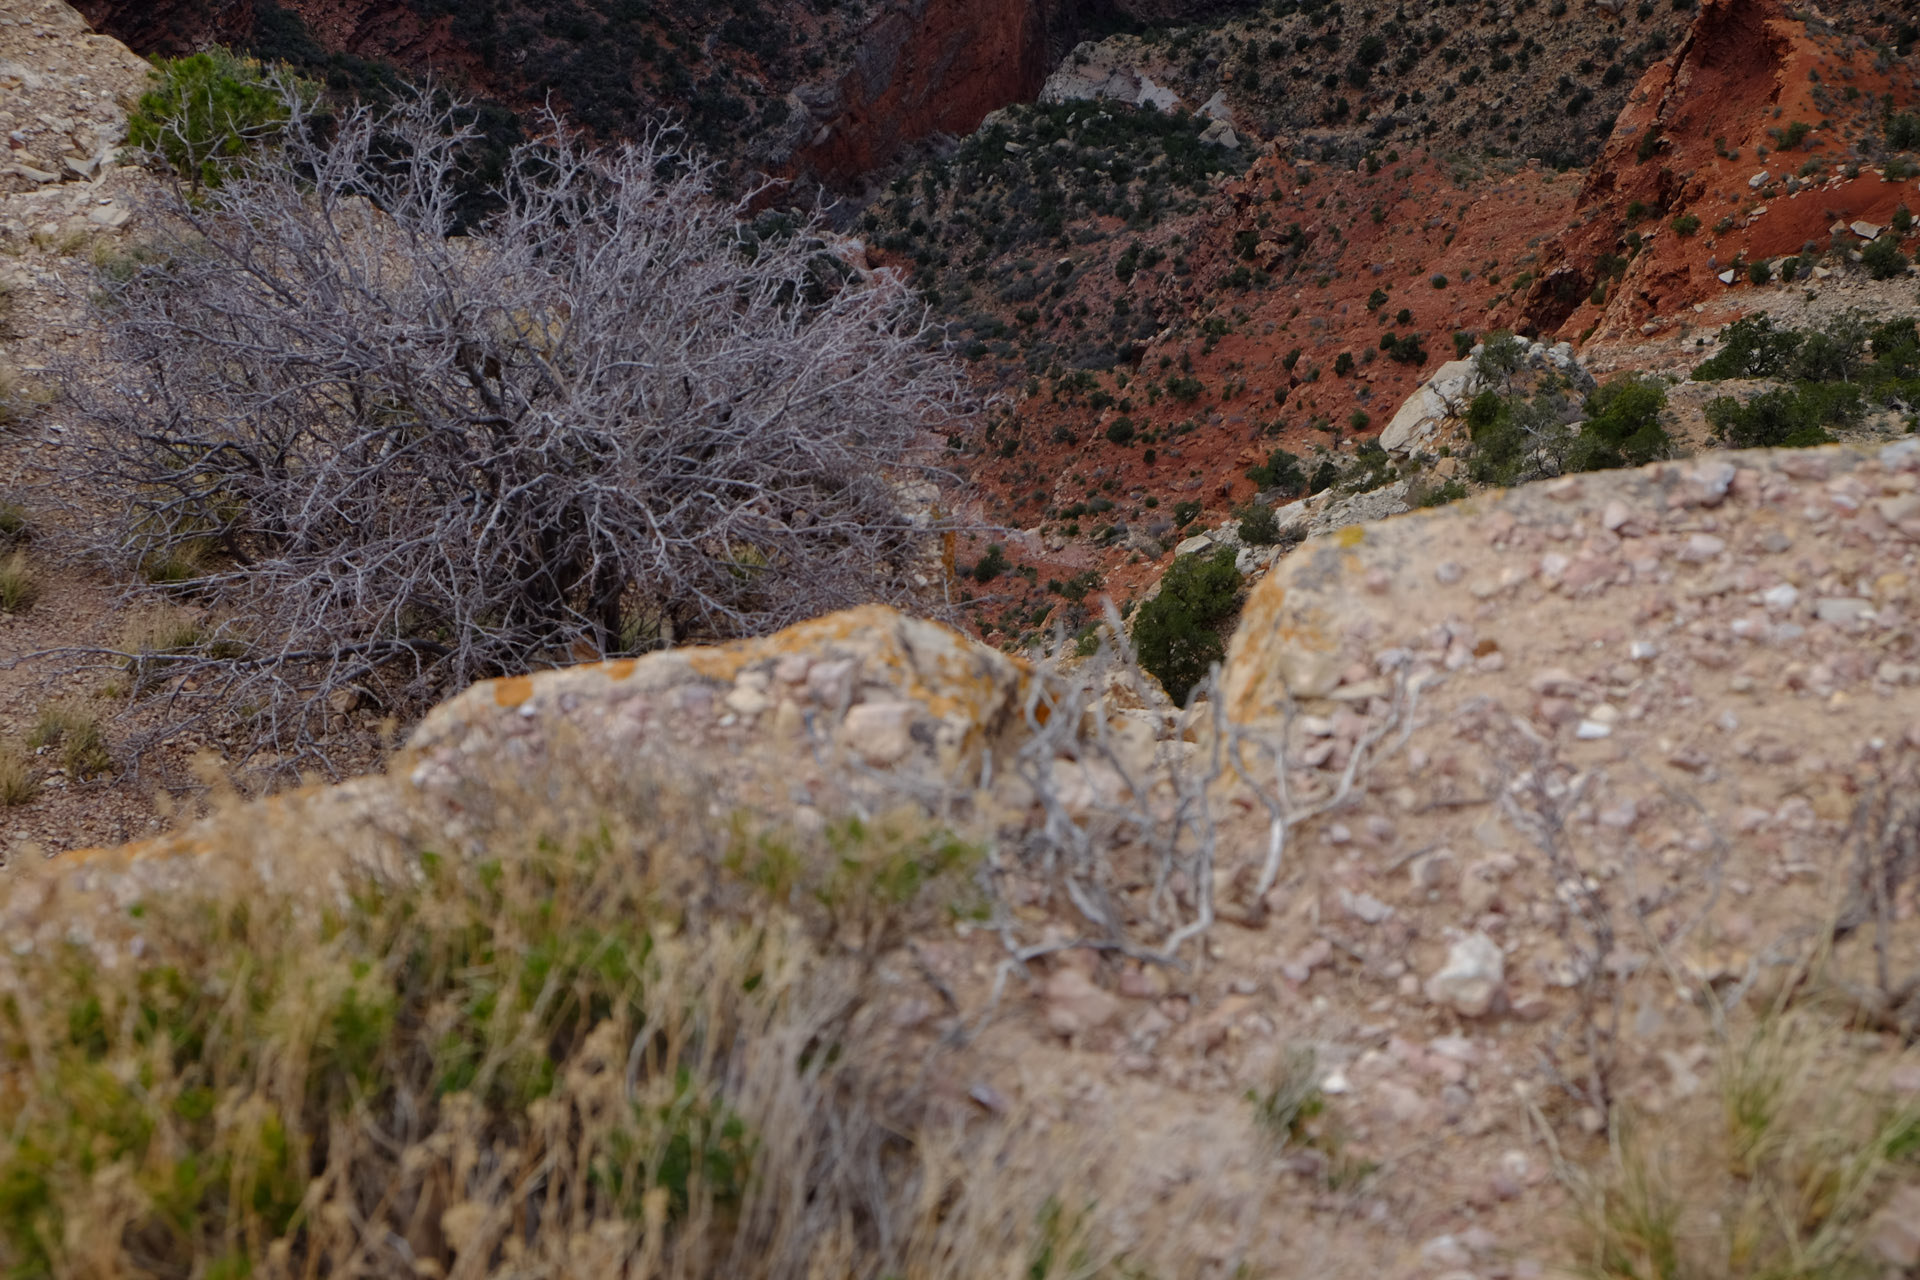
1517 247
1695 140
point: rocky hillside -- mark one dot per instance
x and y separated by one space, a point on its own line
1178 312
788 88
1533 799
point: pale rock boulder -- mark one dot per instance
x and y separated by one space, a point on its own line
1472 978
804 716
1442 396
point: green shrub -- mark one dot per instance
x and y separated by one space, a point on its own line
1343 364
1185 388
1685 225
1623 427
1178 634
1280 471
1462 344
1406 350
1883 259
1438 495
1259 526
1781 418
1902 220
1120 431
1501 356
992 564
206 111
1760 271
1750 348
1185 513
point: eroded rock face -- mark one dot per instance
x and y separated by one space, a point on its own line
910 71
864 701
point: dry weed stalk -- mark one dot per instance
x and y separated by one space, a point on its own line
1885 839
1130 830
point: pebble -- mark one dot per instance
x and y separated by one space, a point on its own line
1841 609
1471 978
1075 1005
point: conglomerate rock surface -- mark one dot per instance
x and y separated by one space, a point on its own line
1647 700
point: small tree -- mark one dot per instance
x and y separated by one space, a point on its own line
1178 633
209 110
1623 427
1883 259
1501 355
605 418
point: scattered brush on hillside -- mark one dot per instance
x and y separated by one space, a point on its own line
645 1044
398 460
1043 209
1531 428
1837 375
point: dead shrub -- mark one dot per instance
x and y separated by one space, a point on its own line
401 458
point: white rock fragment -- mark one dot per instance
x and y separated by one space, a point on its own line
1471 978
1842 609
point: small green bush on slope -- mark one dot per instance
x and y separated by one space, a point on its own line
207 110
1178 633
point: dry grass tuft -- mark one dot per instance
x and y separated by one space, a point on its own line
75 730
18 586
19 781
20 398
1775 1173
14 526
604 1048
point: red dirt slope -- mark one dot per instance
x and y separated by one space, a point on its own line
1758 127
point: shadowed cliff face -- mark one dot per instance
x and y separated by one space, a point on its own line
778 87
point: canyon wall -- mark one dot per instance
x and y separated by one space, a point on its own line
779 88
